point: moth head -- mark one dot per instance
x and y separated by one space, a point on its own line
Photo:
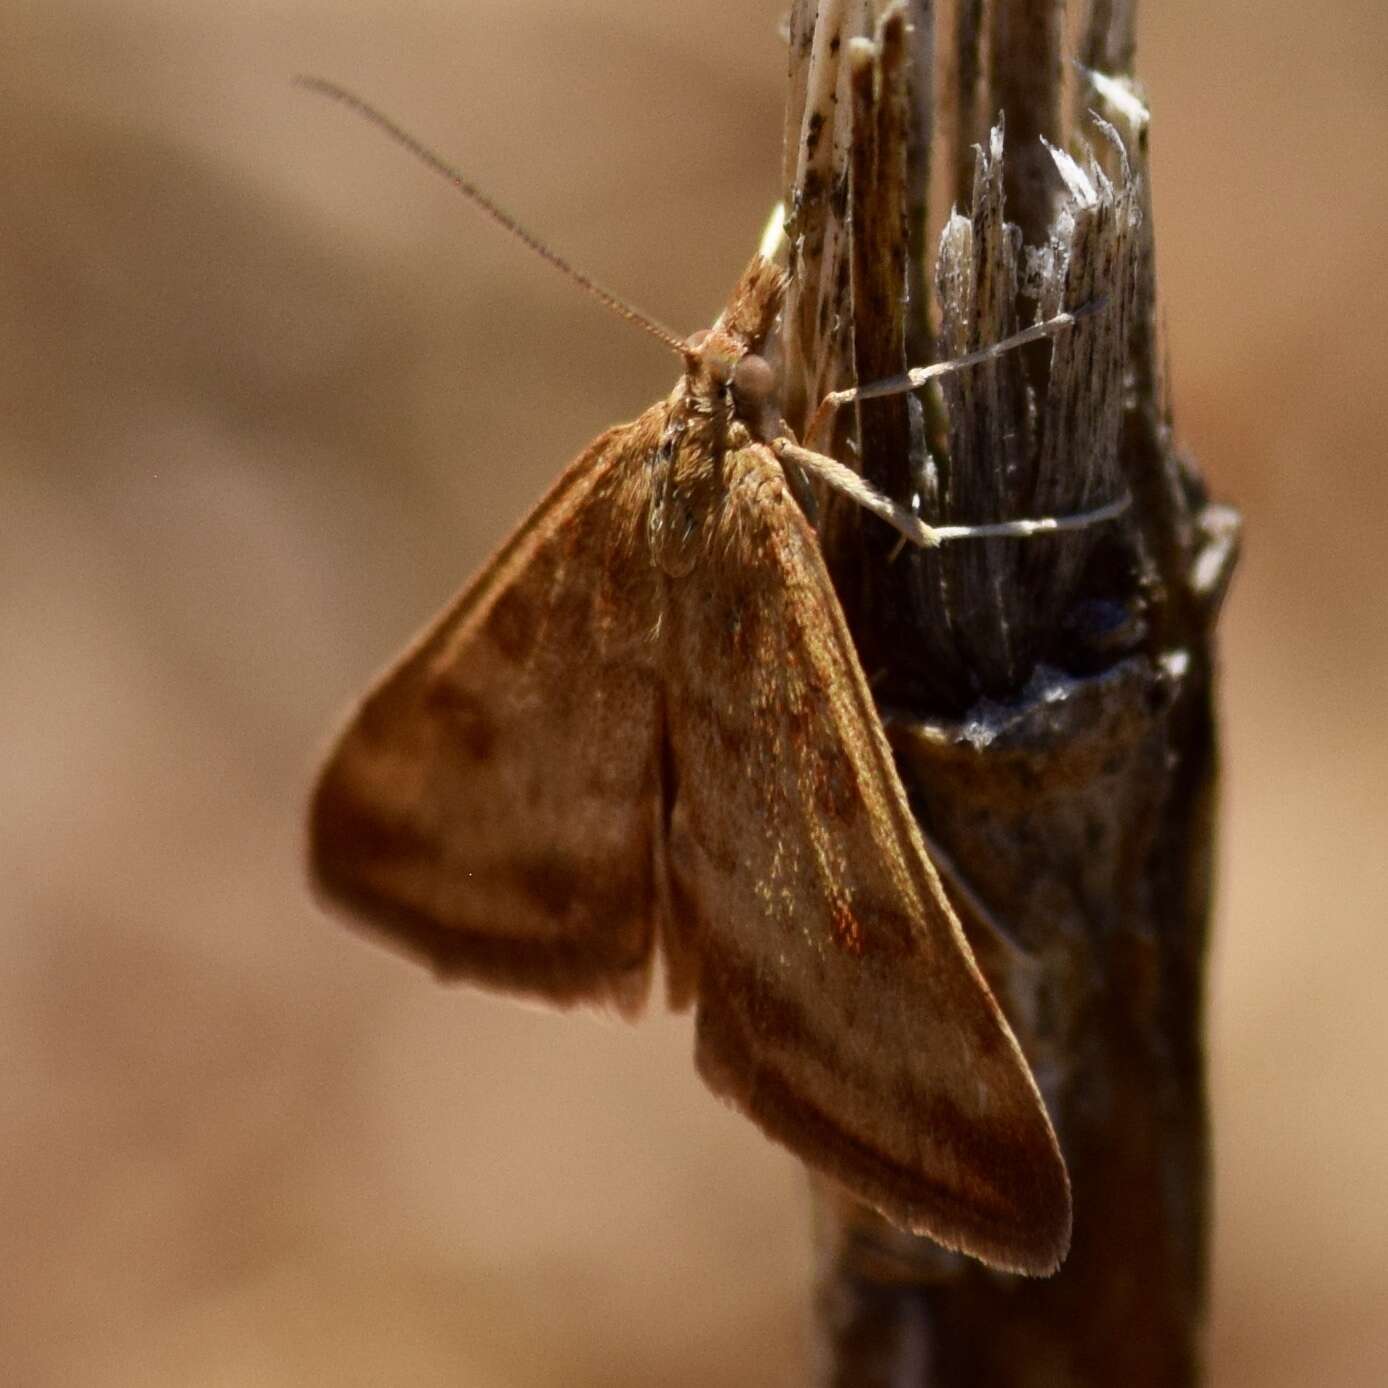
727 374
732 381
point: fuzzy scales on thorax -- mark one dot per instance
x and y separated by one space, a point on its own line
720 405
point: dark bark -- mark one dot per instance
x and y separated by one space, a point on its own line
1050 699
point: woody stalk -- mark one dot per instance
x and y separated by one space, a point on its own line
1049 701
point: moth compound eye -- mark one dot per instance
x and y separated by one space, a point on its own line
720 369
754 383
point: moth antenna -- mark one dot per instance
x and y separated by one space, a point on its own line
479 199
910 526
919 376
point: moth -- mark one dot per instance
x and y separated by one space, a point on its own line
643 727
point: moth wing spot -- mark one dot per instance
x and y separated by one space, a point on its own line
466 715
847 929
511 624
835 784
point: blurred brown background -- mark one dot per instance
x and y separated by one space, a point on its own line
268 394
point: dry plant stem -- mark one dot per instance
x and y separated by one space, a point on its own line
920 113
1024 81
1049 700
962 96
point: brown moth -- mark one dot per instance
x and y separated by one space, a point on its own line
643 725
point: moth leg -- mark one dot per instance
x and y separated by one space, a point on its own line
910 526
858 489
919 376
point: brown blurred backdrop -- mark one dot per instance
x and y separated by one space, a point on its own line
268 394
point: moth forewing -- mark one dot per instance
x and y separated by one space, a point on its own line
838 1003
490 804
647 713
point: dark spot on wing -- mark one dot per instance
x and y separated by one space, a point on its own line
846 928
467 718
735 990
551 883
863 928
988 1039
834 783
585 897
354 828
886 929
797 717
980 1139
511 624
